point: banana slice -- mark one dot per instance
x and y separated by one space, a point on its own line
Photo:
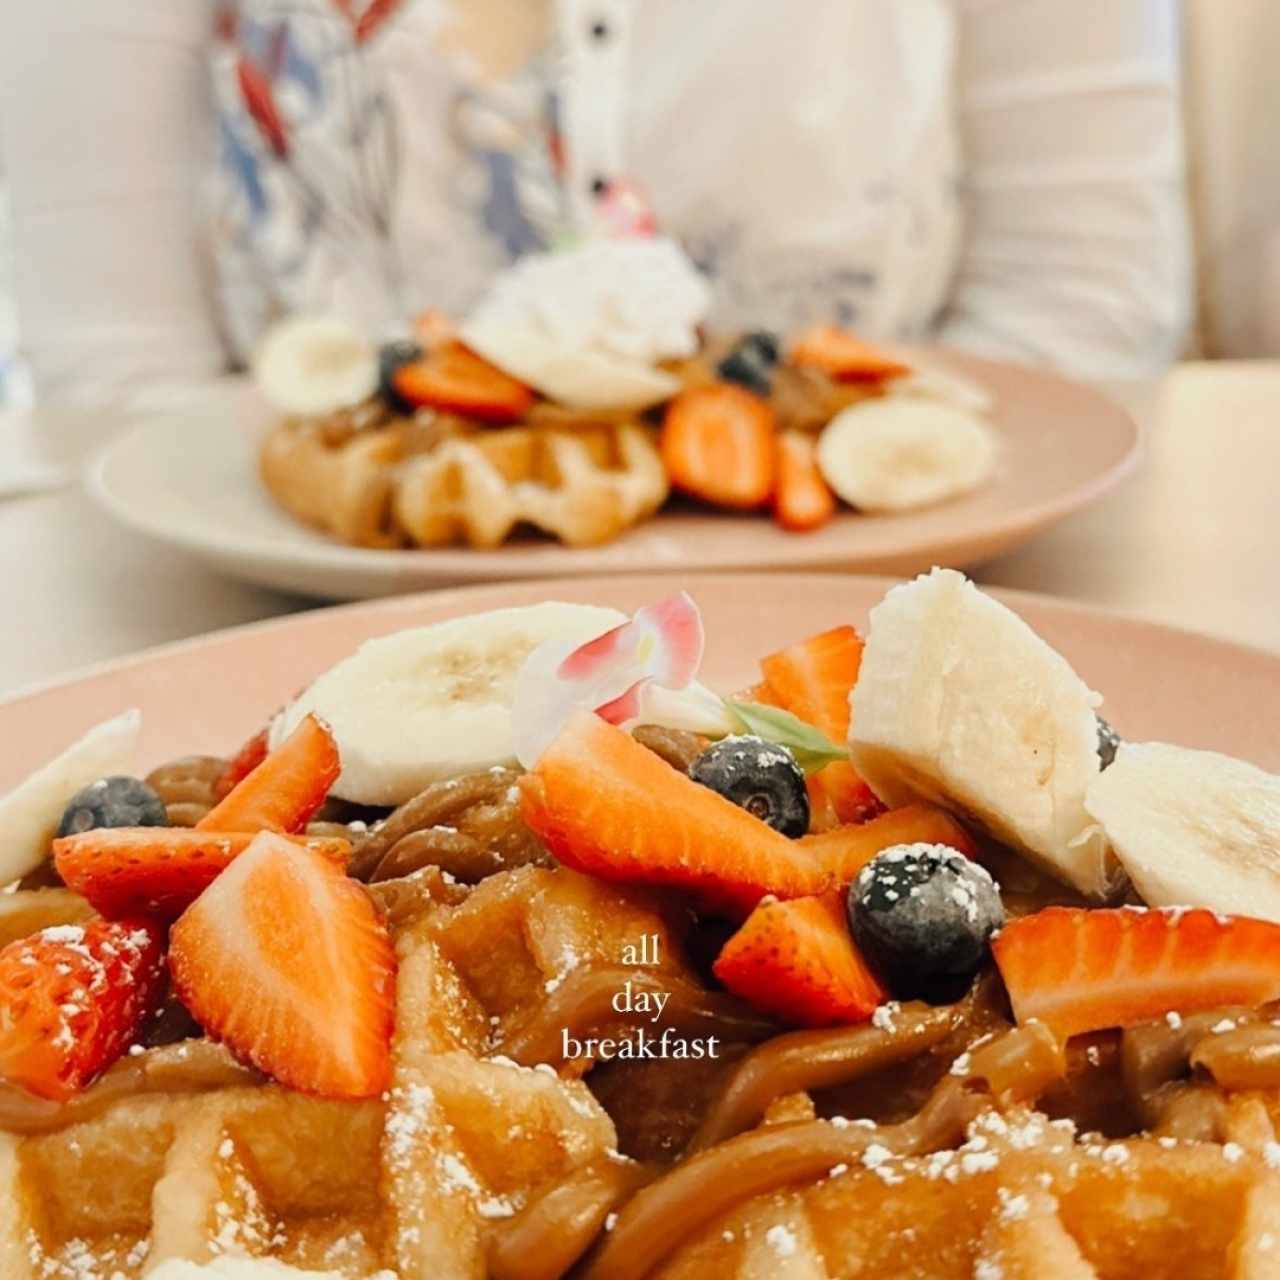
959 702
315 364
411 708
1193 828
580 378
30 813
895 454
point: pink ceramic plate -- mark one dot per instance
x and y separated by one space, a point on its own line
210 694
190 480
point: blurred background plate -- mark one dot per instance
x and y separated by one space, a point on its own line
209 694
189 479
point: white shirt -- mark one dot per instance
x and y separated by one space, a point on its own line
1005 175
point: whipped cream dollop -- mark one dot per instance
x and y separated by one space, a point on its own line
586 326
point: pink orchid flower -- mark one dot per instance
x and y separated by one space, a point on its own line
640 672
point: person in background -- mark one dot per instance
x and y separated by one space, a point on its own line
1001 175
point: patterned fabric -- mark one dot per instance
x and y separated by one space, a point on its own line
315 208
1005 174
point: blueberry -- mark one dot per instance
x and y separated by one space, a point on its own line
113 802
760 777
393 356
750 363
923 915
1108 743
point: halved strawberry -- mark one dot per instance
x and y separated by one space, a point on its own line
157 871
843 851
72 999
286 960
286 789
813 680
844 355
717 444
1078 970
803 499
797 960
242 764
606 805
452 377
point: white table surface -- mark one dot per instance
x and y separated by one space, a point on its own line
1192 539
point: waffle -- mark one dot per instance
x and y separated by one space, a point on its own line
583 486
437 480
1020 1199
490 1156
178 1152
975 1184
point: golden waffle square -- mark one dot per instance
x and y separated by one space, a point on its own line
414 1183
343 488
583 486
437 481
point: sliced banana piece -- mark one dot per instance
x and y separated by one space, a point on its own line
580 378
1193 828
315 364
959 702
417 706
30 813
896 454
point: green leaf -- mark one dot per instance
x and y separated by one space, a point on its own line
812 749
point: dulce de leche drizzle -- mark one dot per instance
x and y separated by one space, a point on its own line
805 1060
711 1183
551 1233
583 1004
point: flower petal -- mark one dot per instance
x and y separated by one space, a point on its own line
543 700
675 626
624 708
615 675
694 708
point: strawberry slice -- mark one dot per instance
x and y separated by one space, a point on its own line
717 444
606 805
157 871
242 764
72 999
803 499
286 789
813 680
796 960
843 851
285 960
759 692
1078 970
452 377
844 355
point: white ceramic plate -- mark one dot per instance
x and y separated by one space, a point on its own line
190 479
